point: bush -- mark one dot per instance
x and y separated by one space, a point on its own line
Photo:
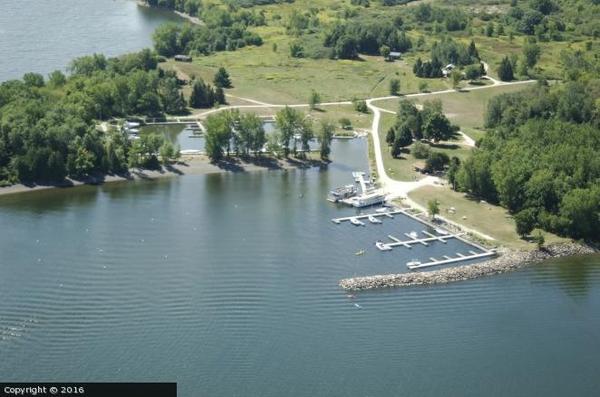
420 150
345 123
436 161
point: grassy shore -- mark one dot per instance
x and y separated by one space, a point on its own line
489 219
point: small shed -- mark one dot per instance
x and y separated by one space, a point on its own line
395 55
183 58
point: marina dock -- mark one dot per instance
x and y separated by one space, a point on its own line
389 214
413 238
448 260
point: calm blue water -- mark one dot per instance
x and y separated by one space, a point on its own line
227 284
44 35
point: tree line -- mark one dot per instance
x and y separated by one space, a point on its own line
349 39
444 52
47 126
230 132
540 159
222 31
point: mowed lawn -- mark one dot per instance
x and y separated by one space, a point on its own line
489 219
464 108
402 168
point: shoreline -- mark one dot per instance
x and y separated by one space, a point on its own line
188 17
189 165
508 261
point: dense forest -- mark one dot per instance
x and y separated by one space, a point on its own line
540 158
222 31
48 127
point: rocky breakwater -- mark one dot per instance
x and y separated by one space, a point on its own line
507 261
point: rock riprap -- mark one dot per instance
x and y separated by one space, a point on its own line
507 261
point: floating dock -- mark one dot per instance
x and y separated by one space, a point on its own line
448 260
389 214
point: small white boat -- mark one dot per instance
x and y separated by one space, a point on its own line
358 306
383 246
414 234
381 210
441 231
361 252
356 222
336 221
413 264
372 219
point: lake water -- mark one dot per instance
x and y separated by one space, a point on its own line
44 35
227 284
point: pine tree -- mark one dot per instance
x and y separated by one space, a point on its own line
505 70
222 79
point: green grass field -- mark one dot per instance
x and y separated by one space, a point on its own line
464 108
489 219
402 168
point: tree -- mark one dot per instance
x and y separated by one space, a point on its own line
423 86
251 133
473 72
436 161
539 240
289 123
456 77
531 54
33 79
437 127
296 50
314 99
402 139
346 48
57 79
217 136
395 87
202 95
390 136
420 150
525 221
168 152
360 106
324 137
452 173
433 207
222 79
384 51
489 29
505 70
220 96
345 123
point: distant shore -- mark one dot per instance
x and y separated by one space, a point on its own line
508 261
189 165
194 20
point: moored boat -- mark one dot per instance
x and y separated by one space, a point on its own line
373 219
383 246
356 222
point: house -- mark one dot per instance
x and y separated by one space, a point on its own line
446 70
395 55
183 58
